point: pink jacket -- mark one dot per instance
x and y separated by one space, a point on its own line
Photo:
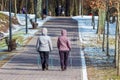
63 43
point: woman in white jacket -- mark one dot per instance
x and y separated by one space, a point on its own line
44 46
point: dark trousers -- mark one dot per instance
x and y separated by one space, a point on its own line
63 59
44 59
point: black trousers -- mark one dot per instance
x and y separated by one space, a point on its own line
63 59
44 59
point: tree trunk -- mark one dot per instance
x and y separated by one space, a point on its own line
103 42
22 4
31 6
118 68
2 5
39 8
72 7
67 11
15 8
116 45
82 7
101 23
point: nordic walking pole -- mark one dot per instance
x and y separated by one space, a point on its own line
51 62
70 59
38 62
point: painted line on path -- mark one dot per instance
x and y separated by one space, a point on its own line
84 69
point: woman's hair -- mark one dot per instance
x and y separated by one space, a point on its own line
44 31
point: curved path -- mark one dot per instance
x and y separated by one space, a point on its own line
24 65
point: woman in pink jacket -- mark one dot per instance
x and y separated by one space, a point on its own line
64 46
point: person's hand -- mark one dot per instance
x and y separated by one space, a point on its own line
37 50
50 51
70 49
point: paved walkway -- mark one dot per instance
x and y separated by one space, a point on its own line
23 66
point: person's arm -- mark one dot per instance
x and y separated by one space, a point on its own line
69 44
37 45
58 43
50 44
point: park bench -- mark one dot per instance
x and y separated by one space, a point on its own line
11 45
34 24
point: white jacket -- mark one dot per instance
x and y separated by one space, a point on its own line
44 42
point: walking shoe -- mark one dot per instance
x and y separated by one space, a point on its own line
65 68
46 68
62 69
43 69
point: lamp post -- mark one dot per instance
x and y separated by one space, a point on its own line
26 17
82 7
46 7
107 28
35 9
10 28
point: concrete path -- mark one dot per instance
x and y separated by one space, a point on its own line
24 65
